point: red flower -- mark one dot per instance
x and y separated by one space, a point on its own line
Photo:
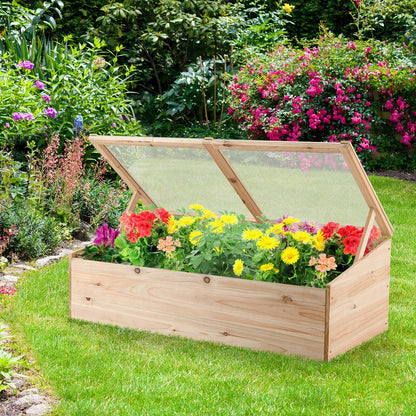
351 244
146 216
350 230
132 237
144 229
163 215
329 229
124 219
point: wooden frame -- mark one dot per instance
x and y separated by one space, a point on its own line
311 322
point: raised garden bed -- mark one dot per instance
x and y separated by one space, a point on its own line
308 321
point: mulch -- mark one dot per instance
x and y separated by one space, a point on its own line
404 176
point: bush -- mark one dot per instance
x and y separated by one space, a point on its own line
98 201
37 234
76 80
339 90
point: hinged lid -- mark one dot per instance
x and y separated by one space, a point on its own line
319 182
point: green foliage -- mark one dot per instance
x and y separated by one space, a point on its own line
17 21
163 37
38 234
99 201
13 180
386 19
77 81
8 364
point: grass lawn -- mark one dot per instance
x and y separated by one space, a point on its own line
103 370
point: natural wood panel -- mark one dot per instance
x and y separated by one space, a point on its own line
260 315
358 302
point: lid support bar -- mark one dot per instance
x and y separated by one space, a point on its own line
366 234
233 179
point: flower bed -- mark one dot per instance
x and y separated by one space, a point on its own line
285 251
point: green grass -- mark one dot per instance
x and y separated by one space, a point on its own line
104 370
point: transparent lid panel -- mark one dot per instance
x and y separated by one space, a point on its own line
309 186
177 177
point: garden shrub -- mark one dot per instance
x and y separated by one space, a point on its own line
338 90
76 80
37 234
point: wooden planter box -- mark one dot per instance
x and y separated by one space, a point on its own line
310 322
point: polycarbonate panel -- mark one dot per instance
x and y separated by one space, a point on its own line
309 186
177 177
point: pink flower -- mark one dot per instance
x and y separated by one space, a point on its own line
46 97
40 85
51 112
26 65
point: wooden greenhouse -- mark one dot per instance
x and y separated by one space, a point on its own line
314 181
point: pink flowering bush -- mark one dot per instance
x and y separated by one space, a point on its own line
337 90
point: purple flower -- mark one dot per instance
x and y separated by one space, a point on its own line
26 65
40 85
51 112
106 235
46 97
114 125
23 116
7 125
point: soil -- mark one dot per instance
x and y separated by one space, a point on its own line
405 176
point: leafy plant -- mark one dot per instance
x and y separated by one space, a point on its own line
8 364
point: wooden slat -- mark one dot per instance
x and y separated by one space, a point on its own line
262 145
261 315
133 202
367 189
366 234
358 302
233 179
124 174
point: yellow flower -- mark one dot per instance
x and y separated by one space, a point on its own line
216 226
290 255
289 220
208 214
267 243
288 8
218 250
172 225
302 236
196 207
266 267
250 234
184 221
195 236
319 241
275 229
238 267
229 219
